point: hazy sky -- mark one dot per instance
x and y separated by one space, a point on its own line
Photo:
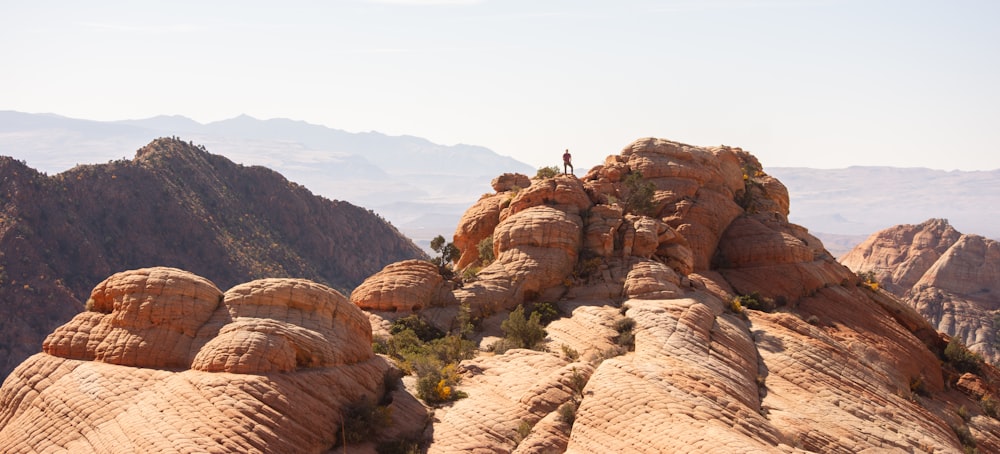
818 83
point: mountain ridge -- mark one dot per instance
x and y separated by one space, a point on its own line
173 204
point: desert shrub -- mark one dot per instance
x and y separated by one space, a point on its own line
576 383
437 383
380 345
547 172
485 249
523 430
989 406
624 324
756 302
610 352
961 358
625 337
963 413
587 265
570 353
638 195
424 331
567 413
363 420
965 437
521 332
868 280
547 312
470 274
434 361
751 180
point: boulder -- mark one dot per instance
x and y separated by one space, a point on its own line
510 181
406 286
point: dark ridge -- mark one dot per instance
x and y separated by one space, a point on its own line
174 204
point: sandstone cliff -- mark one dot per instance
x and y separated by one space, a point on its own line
176 205
952 279
743 335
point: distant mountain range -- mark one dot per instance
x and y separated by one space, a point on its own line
844 206
423 188
419 186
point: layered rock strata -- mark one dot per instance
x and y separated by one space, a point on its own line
950 278
163 361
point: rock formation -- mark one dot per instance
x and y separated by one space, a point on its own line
952 279
693 317
165 362
746 334
177 205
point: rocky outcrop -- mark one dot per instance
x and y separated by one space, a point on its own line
950 278
176 205
165 362
407 286
648 292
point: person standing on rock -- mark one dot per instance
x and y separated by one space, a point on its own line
567 162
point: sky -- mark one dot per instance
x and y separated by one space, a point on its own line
807 83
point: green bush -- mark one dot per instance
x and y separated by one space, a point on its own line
547 312
989 406
434 361
437 383
521 332
363 420
961 358
625 337
567 413
756 302
965 437
547 172
485 248
570 353
638 195
424 331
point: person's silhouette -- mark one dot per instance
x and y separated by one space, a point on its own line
567 162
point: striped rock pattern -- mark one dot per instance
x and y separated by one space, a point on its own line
165 362
950 278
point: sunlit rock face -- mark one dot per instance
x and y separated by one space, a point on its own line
163 361
952 279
